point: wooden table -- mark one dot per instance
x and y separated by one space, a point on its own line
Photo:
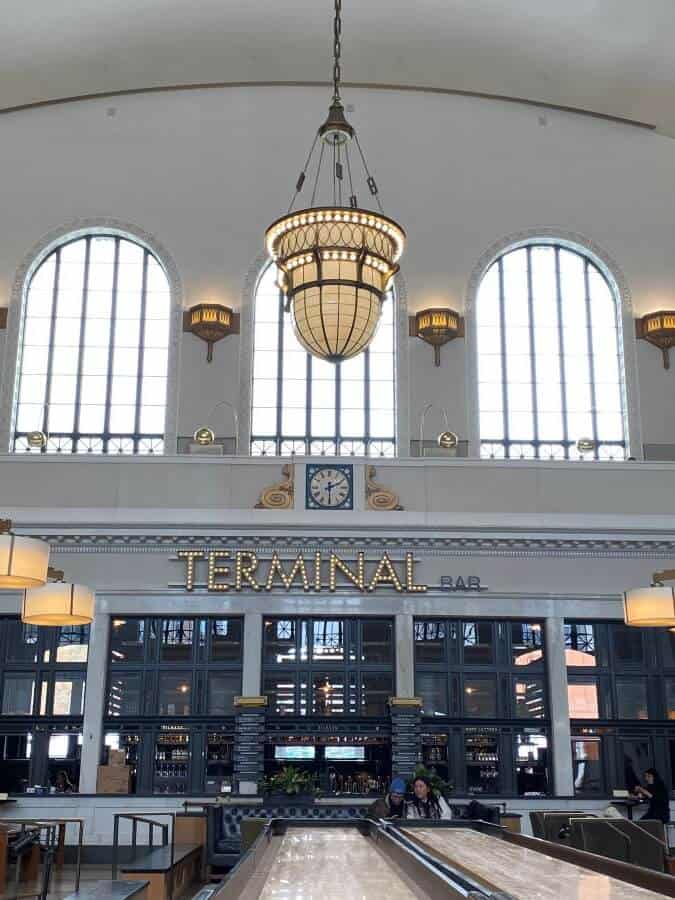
61 824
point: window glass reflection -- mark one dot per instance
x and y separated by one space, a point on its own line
580 644
582 696
478 646
526 643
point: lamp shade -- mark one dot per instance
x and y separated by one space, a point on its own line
23 561
58 603
649 607
335 265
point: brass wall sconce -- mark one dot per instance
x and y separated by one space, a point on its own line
436 326
659 329
211 322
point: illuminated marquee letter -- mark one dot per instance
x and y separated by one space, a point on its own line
358 578
410 585
190 556
276 568
317 571
246 562
385 574
215 569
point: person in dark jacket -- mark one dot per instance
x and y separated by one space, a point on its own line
392 805
656 793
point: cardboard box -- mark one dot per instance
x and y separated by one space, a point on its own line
113 780
117 757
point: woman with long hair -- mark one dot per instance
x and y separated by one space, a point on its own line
425 804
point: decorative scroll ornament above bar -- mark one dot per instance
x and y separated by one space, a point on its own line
378 497
280 495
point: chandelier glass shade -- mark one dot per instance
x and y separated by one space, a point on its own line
335 259
23 561
58 603
650 607
335 266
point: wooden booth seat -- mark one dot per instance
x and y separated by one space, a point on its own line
155 867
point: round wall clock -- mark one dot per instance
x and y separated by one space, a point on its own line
330 486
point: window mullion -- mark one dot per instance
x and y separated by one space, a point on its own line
591 361
338 411
80 357
111 347
308 405
280 371
533 365
366 400
502 337
561 346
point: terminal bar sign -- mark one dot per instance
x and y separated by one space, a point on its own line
243 570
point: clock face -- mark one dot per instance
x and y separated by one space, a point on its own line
329 487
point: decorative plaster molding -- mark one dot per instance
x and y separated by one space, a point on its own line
35 256
616 278
377 497
282 494
520 546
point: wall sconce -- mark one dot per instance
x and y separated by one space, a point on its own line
659 329
211 322
436 326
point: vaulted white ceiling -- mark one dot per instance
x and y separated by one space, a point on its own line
614 57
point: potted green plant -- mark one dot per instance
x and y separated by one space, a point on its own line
289 784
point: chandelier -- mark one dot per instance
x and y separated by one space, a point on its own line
336 259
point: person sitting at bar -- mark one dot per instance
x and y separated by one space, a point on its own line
63 784
425 804
392 805
657 794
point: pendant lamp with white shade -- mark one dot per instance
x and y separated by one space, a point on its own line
653 606
24 561
58 603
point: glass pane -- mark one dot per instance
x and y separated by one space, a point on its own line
73 644
18 695
376 641
631 698
127 640
226 640
69 693
15 753
63 762
587 762
530 698
582 697
279 641
478 647
125 698
669 684
580 646
328 694
526 643
637 755
222 689
280 692
176 640
481 752
628 645
175 694
328 639
429 642
22 642
376 689
480 697
432 687
531 754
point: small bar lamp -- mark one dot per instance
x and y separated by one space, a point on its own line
436 326
211 322
653 606
658 328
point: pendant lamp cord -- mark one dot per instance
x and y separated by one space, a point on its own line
337 49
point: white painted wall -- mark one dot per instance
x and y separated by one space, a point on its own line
206 171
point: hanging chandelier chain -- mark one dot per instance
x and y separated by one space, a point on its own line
337 49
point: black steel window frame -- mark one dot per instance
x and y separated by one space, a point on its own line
654 669
309 444
77 441
39 727
454 672
513 446
148 724
309 668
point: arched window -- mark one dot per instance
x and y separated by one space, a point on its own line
93 354
307 406
550 367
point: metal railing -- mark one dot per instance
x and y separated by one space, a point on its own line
142 819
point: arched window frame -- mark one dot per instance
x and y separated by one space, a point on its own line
401 358
627 343
32 261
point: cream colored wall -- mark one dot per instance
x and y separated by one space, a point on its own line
206 171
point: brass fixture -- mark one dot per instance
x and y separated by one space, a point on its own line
211 322
436 326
